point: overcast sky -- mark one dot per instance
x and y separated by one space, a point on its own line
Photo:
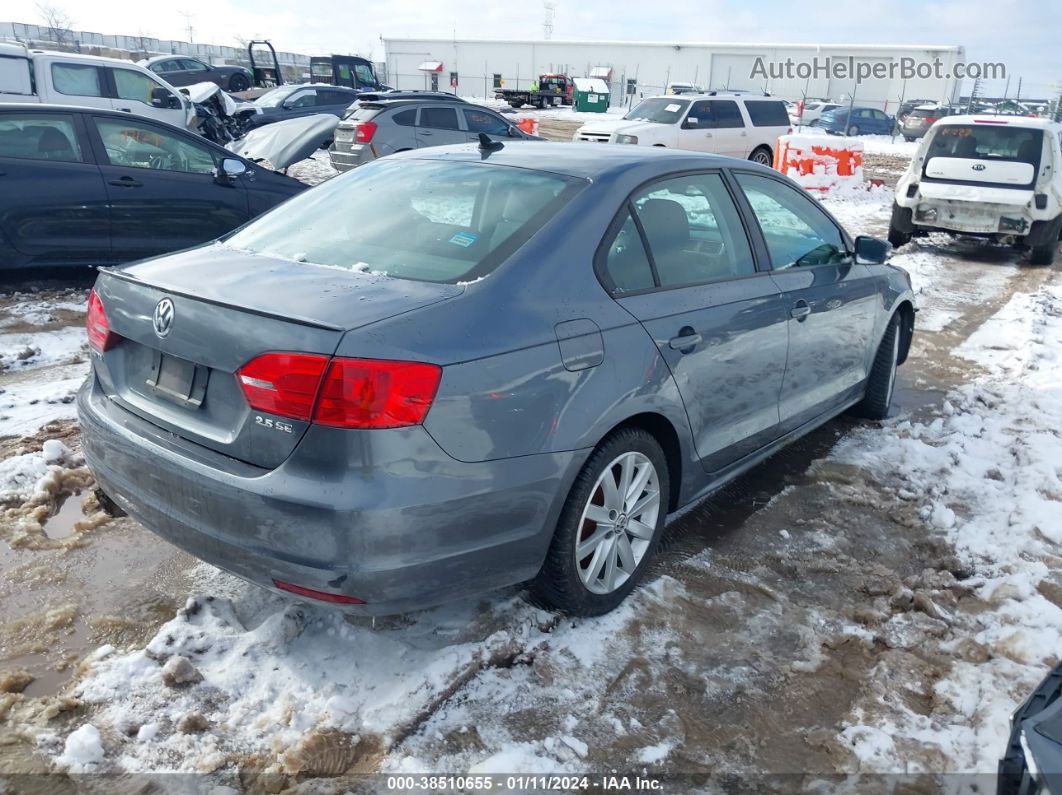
1026 35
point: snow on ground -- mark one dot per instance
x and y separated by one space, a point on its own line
987 477
562 113
29 350
41 397
872 144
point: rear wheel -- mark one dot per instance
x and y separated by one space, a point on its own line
609 527
238 83
1044 254
762 155
898 238
882 381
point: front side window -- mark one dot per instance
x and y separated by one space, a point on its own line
39 136
797 232
133 85
479 121
660 110
365 75
439 118
79 80
693 231
137 145
425 220
304 99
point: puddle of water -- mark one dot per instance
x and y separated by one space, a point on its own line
61 523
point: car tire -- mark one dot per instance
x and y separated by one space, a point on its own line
239 83
813 123
853 130
627 531
762 155
898 238
908 138
1044 254
882 380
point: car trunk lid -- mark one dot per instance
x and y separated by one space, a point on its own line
218 309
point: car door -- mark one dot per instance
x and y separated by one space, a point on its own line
301 103
134 92
884 123
720 128
832 302
481 120
78 84
161 186
198 72
679 260
53 205
172 72
334 101
438 126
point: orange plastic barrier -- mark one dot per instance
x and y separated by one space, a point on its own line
528 124
818 164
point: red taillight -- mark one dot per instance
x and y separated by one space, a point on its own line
930 120
283 383
371 393
364 131
345 393
99 331
324 596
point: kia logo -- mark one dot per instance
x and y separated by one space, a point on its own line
162 320
978 166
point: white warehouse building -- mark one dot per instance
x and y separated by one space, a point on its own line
791 71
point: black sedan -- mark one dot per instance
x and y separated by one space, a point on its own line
1032 762
81 186
290 102
184 71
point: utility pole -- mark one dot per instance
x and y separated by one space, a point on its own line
188 17
547 23
1017 98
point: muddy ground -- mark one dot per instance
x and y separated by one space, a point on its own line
762 664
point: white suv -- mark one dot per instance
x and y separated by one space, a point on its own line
723 124
995 177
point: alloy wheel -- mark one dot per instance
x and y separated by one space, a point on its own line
617 523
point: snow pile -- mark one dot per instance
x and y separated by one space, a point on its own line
25 476
818 165
83 750
986 478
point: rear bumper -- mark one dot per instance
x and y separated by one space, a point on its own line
343 160
385 516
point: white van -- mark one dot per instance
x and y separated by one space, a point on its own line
738 125
995 177
61 78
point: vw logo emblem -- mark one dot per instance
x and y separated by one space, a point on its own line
162 320
978 166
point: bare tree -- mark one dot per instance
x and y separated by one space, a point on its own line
57 21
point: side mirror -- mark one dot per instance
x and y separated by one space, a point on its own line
163 98
871 250
513 132
230 168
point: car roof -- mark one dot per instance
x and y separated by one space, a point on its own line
385 104
41 107
16 49
582 160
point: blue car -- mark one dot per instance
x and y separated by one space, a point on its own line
464 367
856 121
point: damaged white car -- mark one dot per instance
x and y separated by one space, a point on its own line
993 177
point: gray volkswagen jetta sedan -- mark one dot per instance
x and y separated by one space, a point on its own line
466 367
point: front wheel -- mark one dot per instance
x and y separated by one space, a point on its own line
882 381
609 527
853 130
761 155
898 238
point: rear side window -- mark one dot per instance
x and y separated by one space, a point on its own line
427 220
692 234
725 113
405 118
39 136
15 75
626 262
767 114
77 80
439 118
333 98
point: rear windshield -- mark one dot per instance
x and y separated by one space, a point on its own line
359 113
927 113
426 220
662 110
767 114
987 142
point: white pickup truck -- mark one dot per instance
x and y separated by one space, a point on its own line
994 177
62 78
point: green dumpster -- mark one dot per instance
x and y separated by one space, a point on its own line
591 94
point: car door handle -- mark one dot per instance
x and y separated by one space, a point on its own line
125 182
800 310
126 110
686 341
425 132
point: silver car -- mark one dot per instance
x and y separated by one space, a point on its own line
384 127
